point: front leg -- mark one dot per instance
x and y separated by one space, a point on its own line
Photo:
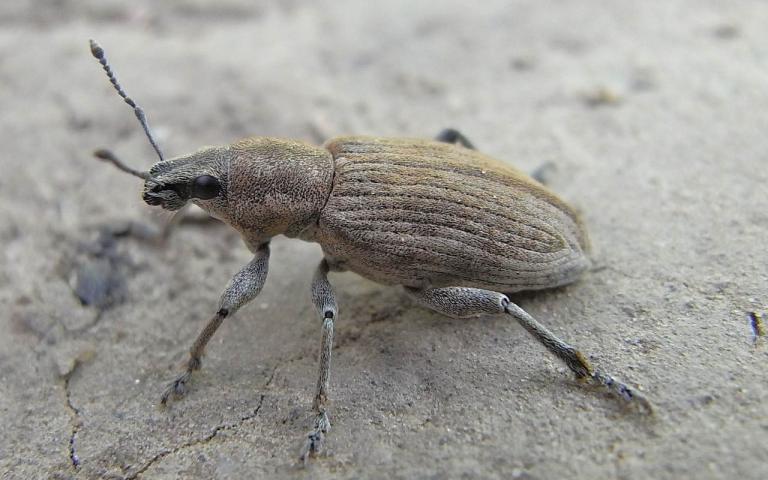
325 304
243 288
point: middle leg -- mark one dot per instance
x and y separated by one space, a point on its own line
325 303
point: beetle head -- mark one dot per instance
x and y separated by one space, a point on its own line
275 186
200 178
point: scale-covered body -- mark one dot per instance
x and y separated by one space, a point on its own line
423 213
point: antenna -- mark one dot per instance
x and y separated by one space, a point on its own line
98 53
108 156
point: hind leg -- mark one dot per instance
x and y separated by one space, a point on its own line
470 302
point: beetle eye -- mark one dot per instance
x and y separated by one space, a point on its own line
205 187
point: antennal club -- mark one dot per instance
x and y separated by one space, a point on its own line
98 53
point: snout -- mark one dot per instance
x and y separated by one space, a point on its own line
169 197
151 196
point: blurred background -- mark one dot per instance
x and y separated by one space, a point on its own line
649 117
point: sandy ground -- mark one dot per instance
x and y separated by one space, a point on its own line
650 117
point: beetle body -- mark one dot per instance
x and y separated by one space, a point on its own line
456 228
427 214
410 212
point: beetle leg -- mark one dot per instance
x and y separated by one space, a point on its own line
325 303
468 302
451 135
153 234
243 287
544 172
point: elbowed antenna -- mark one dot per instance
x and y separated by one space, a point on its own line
98 53
108 156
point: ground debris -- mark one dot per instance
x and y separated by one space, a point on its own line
601 97
757 324
97 272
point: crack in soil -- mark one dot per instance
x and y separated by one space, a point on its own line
213 434
76 422
75 418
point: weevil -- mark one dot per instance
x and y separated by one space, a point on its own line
456 229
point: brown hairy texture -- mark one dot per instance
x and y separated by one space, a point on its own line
280 187
398 211
428 214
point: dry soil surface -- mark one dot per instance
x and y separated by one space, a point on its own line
650 117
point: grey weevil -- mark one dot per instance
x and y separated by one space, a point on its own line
452 226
